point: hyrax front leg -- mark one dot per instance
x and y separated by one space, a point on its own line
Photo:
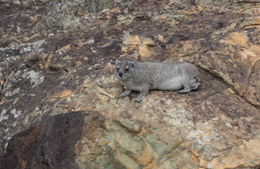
142 94
125 93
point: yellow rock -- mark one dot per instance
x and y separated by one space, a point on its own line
239 39
115 10
64 49
26 119
148 41
14 123
131 39
145 158
152 165
161 38
62 94
199 8
144 51
15 100
161 17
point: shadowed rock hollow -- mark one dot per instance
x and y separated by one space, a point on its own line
59 99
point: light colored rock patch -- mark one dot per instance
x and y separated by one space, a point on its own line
13 92
179 116
3 115
35 77
29 47
16 113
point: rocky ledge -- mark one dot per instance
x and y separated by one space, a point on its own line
59 99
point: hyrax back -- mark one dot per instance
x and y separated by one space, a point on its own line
143 76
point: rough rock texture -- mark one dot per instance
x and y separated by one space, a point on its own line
58 57
47 145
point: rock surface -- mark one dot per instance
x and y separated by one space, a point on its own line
59 99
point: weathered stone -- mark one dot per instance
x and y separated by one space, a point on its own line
58 57
47 145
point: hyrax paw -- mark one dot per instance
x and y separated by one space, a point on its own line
125 93
195 86
184 91
137 100
122 95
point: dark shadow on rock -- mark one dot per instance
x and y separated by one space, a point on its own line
49 145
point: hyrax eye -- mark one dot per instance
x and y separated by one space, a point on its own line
117 68
126 69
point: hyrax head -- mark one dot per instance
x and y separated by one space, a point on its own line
124 69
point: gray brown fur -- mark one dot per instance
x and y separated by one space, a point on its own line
144 76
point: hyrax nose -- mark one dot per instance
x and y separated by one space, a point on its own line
120 74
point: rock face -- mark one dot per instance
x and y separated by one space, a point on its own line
47 145
59 99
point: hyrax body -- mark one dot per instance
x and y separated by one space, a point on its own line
143 76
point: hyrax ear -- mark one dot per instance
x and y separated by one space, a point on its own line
131 63
117 62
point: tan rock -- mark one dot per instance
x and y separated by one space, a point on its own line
126 161
133 125
141 46
62 94
249 151
131 39
145 48
237 66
